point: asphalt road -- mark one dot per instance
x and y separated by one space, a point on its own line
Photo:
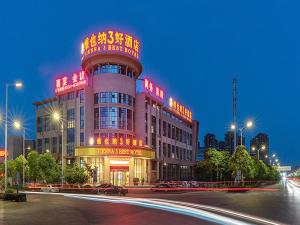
283 206
58 210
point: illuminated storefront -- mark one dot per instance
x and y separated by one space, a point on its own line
116 164
118 132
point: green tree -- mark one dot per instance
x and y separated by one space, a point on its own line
76 175
242 161
202 171
49 170
33 166
218 162
21 161
262 170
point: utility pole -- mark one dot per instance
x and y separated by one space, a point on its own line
235 110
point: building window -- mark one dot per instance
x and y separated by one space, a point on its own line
96 118
113 117
40 146
71 95
104 97
169 130
129 119
103 117
70 131
54 144
39 124
81 96
81 139
47 123
122 118
81 117
164 128
47 146
114 97
96 98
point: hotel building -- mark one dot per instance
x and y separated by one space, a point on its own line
111 126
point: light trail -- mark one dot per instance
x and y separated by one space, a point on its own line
199 211
184 210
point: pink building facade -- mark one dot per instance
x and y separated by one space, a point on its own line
123 134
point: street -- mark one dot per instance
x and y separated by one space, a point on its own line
282 207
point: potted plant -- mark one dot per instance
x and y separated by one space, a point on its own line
143 181
136 180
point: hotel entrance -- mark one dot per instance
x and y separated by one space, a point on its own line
119 177
119 172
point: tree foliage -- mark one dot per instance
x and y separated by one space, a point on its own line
76 175
218 165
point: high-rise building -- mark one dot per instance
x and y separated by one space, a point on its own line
210 141
106 122
260 143
222 145
229 141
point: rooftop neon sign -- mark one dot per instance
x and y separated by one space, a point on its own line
66 83
180 109
110 42
153 89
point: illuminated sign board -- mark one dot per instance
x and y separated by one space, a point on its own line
180 109
111 151
119 142
110 42
66 83
2 153
153 89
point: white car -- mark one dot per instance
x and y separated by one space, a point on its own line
49 188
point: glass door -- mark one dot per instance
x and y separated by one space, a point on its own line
119 177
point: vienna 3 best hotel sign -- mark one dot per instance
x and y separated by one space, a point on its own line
110 42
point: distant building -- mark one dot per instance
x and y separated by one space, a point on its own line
260 143
222 145
229 141
210 141
15 146
200 152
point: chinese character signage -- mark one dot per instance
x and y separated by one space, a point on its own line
110 42
2 153
153 89
119 142
180 109
67 83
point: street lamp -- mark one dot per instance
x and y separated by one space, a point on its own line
58 118
263 147
248 125
7 85
17 125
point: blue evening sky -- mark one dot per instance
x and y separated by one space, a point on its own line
191 48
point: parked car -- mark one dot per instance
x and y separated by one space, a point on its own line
50 188
110 189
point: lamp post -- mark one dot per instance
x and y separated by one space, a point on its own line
248 124
263 147
7 85
58 118
17 125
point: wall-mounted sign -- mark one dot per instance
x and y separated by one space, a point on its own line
180 109
119 142
110 42
111 151
66 83
153 89
2 153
